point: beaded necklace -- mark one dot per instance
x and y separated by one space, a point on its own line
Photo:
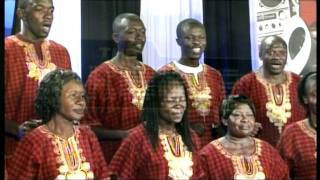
278 105
37 68
73 164
137 88
245 167
178 157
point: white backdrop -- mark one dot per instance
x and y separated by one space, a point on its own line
66 29
161 18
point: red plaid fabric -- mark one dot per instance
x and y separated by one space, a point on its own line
215 83
249 86
35 158
20 90
110 104
136 159
298 149
217 166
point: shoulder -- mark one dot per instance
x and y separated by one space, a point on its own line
295 77
208 149
148 68
56 45
212 69
167 67
267 149
101 70
36 136
137 134
85 130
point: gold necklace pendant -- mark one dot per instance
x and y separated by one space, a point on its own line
199 91
37 68
137 88
179 163
278 106
72 163
245 167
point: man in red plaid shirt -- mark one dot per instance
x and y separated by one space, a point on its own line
28 57
116 87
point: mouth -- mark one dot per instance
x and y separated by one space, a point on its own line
196 50
139 46
46 27
79 111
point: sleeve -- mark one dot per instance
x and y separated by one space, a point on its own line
204 166
285 148
128 159
100 165
198 172
68 59
96 104
24 164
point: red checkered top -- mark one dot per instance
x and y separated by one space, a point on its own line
297 146
218 166
35 158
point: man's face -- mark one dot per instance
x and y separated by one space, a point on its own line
311 96
192 41
132 37
37 18
275 59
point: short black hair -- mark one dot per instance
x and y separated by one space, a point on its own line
47 101
268 42
302 86
229 104
151 106
187 22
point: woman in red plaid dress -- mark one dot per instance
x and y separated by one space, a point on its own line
237 155
298 143
162 147
58 149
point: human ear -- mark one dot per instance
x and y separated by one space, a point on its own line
178 40
224 121
305 100
115 37
20 13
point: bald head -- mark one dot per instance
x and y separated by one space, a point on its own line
22 4
121 21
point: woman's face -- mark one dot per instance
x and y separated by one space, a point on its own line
173 104
241 121
72 101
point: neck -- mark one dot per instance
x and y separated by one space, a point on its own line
28 36
313 120
237 140
274 78
61 127
125 61
167 128
189 62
